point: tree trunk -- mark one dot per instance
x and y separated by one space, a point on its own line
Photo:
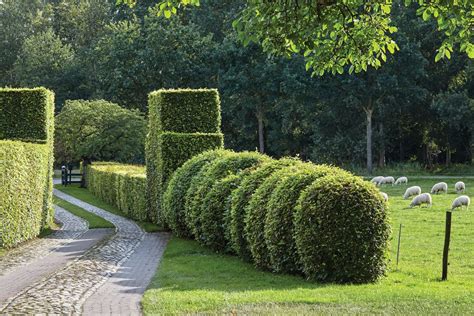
85 162
381 162
368 111
261 137
448 156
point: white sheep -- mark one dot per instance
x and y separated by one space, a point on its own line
439 187
402 180
415 190
461 201
424 198
385 196
388 180
377 180
460 187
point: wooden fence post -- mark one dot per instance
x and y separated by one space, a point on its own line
447 239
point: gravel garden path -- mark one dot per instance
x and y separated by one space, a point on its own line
109 278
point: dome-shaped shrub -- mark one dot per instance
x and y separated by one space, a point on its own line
279 227
342 230
215 213
241 197
174 196
255 216
228 164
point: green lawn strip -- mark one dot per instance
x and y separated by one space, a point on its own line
192 279
94 220
86 196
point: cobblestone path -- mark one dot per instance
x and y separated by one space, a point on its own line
72 227
66 290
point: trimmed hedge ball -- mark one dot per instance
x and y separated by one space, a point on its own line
175 194
229 163
254 228
241 198
279 227
342 230
214 213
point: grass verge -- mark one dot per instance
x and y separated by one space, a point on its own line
86 196
193 280
94 220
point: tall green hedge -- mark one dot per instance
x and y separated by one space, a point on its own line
182 124
26 163
296 217
121 185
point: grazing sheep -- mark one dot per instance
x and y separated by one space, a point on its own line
385 196
415 190
402 180
377 180
461 201
460 187
439 187
388 180
424 198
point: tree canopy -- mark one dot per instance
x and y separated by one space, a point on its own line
333 34
99 130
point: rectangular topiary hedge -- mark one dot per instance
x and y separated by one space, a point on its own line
182 123
123 186
185 111
26 163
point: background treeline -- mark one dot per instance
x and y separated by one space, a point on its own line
420 111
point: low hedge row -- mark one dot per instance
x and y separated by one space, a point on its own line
284 215
121 185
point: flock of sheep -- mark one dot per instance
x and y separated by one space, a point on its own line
424 198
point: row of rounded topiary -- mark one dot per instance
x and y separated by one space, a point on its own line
285 215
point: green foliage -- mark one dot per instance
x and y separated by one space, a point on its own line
342 230
332 36
174 197
240 199
23 190
99 130
123 186
22 118
279 221
25 196
204 104
169 146
230 163
215 213
255 214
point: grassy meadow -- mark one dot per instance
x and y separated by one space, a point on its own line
193 279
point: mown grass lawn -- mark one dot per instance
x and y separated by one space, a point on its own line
86 196
192 279
94 220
